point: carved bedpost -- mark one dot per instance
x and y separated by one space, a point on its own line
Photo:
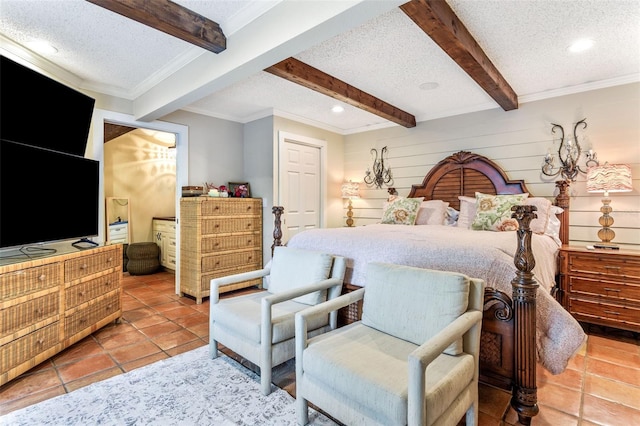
277 229
562 200
525 393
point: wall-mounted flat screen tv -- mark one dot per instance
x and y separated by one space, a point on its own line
45 195
39 111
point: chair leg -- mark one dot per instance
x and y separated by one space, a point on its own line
472 415
302 411
213 349
265 380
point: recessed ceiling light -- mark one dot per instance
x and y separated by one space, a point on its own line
42 47
429 86
581 45
337 109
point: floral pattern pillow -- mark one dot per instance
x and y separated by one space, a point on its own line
402 211
493 212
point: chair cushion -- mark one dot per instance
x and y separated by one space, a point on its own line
430 298
371 368
292 268
241 314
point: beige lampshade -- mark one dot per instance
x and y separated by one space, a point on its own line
350 190
609 178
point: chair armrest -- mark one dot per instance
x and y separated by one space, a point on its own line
216 283
301 291
324 307
424 354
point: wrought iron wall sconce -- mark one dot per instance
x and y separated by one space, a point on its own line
380 175
569 153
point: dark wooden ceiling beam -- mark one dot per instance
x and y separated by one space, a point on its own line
171 18
438 20
298 72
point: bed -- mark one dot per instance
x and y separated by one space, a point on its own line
522 322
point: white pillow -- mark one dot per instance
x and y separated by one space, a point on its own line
553 225
292 268
432 212
467 211
539 224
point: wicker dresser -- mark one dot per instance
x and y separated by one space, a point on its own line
218 237
50 303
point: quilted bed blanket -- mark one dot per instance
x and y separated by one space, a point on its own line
479 254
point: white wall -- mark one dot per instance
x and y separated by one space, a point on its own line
517 141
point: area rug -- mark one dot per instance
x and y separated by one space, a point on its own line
188 389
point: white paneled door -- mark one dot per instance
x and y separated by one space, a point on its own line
300 184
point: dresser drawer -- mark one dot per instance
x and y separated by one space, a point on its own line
91 314
30 280
118 231
206 278
28 347
81 293
83 266
230 242
29 313
603 288
230 208
613 266
231 260
588 310
231 225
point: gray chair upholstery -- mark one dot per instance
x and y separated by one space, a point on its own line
260 326
412 358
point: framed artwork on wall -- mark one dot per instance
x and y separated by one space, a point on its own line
239 189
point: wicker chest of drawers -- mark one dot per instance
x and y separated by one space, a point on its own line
602 286
218 237
50 303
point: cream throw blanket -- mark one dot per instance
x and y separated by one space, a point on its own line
479 254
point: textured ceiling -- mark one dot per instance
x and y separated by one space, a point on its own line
381 52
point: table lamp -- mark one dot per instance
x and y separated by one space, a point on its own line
350 191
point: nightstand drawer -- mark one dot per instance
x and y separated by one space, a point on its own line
590 310
609 289
607 265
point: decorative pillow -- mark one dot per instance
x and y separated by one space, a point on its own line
539 224
451 216
467 211
553 225
432 212
292 268
402 211
493 212
427 297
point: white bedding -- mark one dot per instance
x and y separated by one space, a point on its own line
480 254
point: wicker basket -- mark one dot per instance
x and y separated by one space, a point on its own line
137 251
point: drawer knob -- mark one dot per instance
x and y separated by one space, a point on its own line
84 266
81 293
82 320
40 342
617 268
249 242
612 289
42 277
107 284
109 260
217 226
612 312
39 312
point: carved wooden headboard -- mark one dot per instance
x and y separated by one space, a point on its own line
465 173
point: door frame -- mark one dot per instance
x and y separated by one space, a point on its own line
101 116
284 137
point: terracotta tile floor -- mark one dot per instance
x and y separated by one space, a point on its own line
601 386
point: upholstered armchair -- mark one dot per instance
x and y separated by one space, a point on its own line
412 358
260 326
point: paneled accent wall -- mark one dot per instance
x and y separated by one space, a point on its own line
517 141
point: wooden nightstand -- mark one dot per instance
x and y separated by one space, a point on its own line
601 286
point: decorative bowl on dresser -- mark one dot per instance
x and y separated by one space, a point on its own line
218 237
50 303
601 286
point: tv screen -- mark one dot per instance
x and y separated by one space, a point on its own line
45 195
36 110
